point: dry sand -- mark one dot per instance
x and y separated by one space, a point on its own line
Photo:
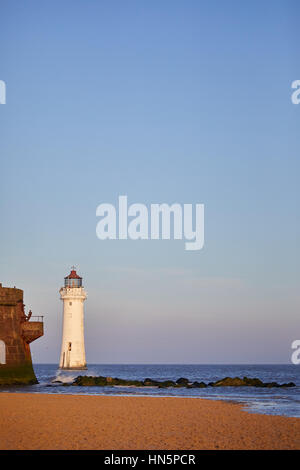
36 421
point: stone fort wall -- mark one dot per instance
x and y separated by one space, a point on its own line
15 358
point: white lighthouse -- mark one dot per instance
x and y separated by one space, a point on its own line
72 347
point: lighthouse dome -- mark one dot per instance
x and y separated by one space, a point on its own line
73 280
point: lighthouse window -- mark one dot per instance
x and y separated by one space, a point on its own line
70 303
73 282
70 346
2 352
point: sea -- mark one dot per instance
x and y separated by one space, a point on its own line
272 401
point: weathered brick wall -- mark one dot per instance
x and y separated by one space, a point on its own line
11 313
18 356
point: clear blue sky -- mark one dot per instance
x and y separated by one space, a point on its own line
165 101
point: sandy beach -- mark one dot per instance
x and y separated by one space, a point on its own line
40 421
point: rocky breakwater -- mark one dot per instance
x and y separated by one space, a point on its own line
89 381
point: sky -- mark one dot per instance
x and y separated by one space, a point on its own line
172 101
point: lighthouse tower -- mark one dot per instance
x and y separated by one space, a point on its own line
72 348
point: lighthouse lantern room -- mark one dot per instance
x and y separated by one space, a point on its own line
73 296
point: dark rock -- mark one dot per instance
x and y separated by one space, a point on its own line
230 382
194 385
271 384
290 384
151 383
182 381
198 385
124 382
167 383
202 385
88 381
84 380
253 382
247 382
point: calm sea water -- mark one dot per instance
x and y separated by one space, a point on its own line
269 401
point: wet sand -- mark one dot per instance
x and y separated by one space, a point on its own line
37 421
